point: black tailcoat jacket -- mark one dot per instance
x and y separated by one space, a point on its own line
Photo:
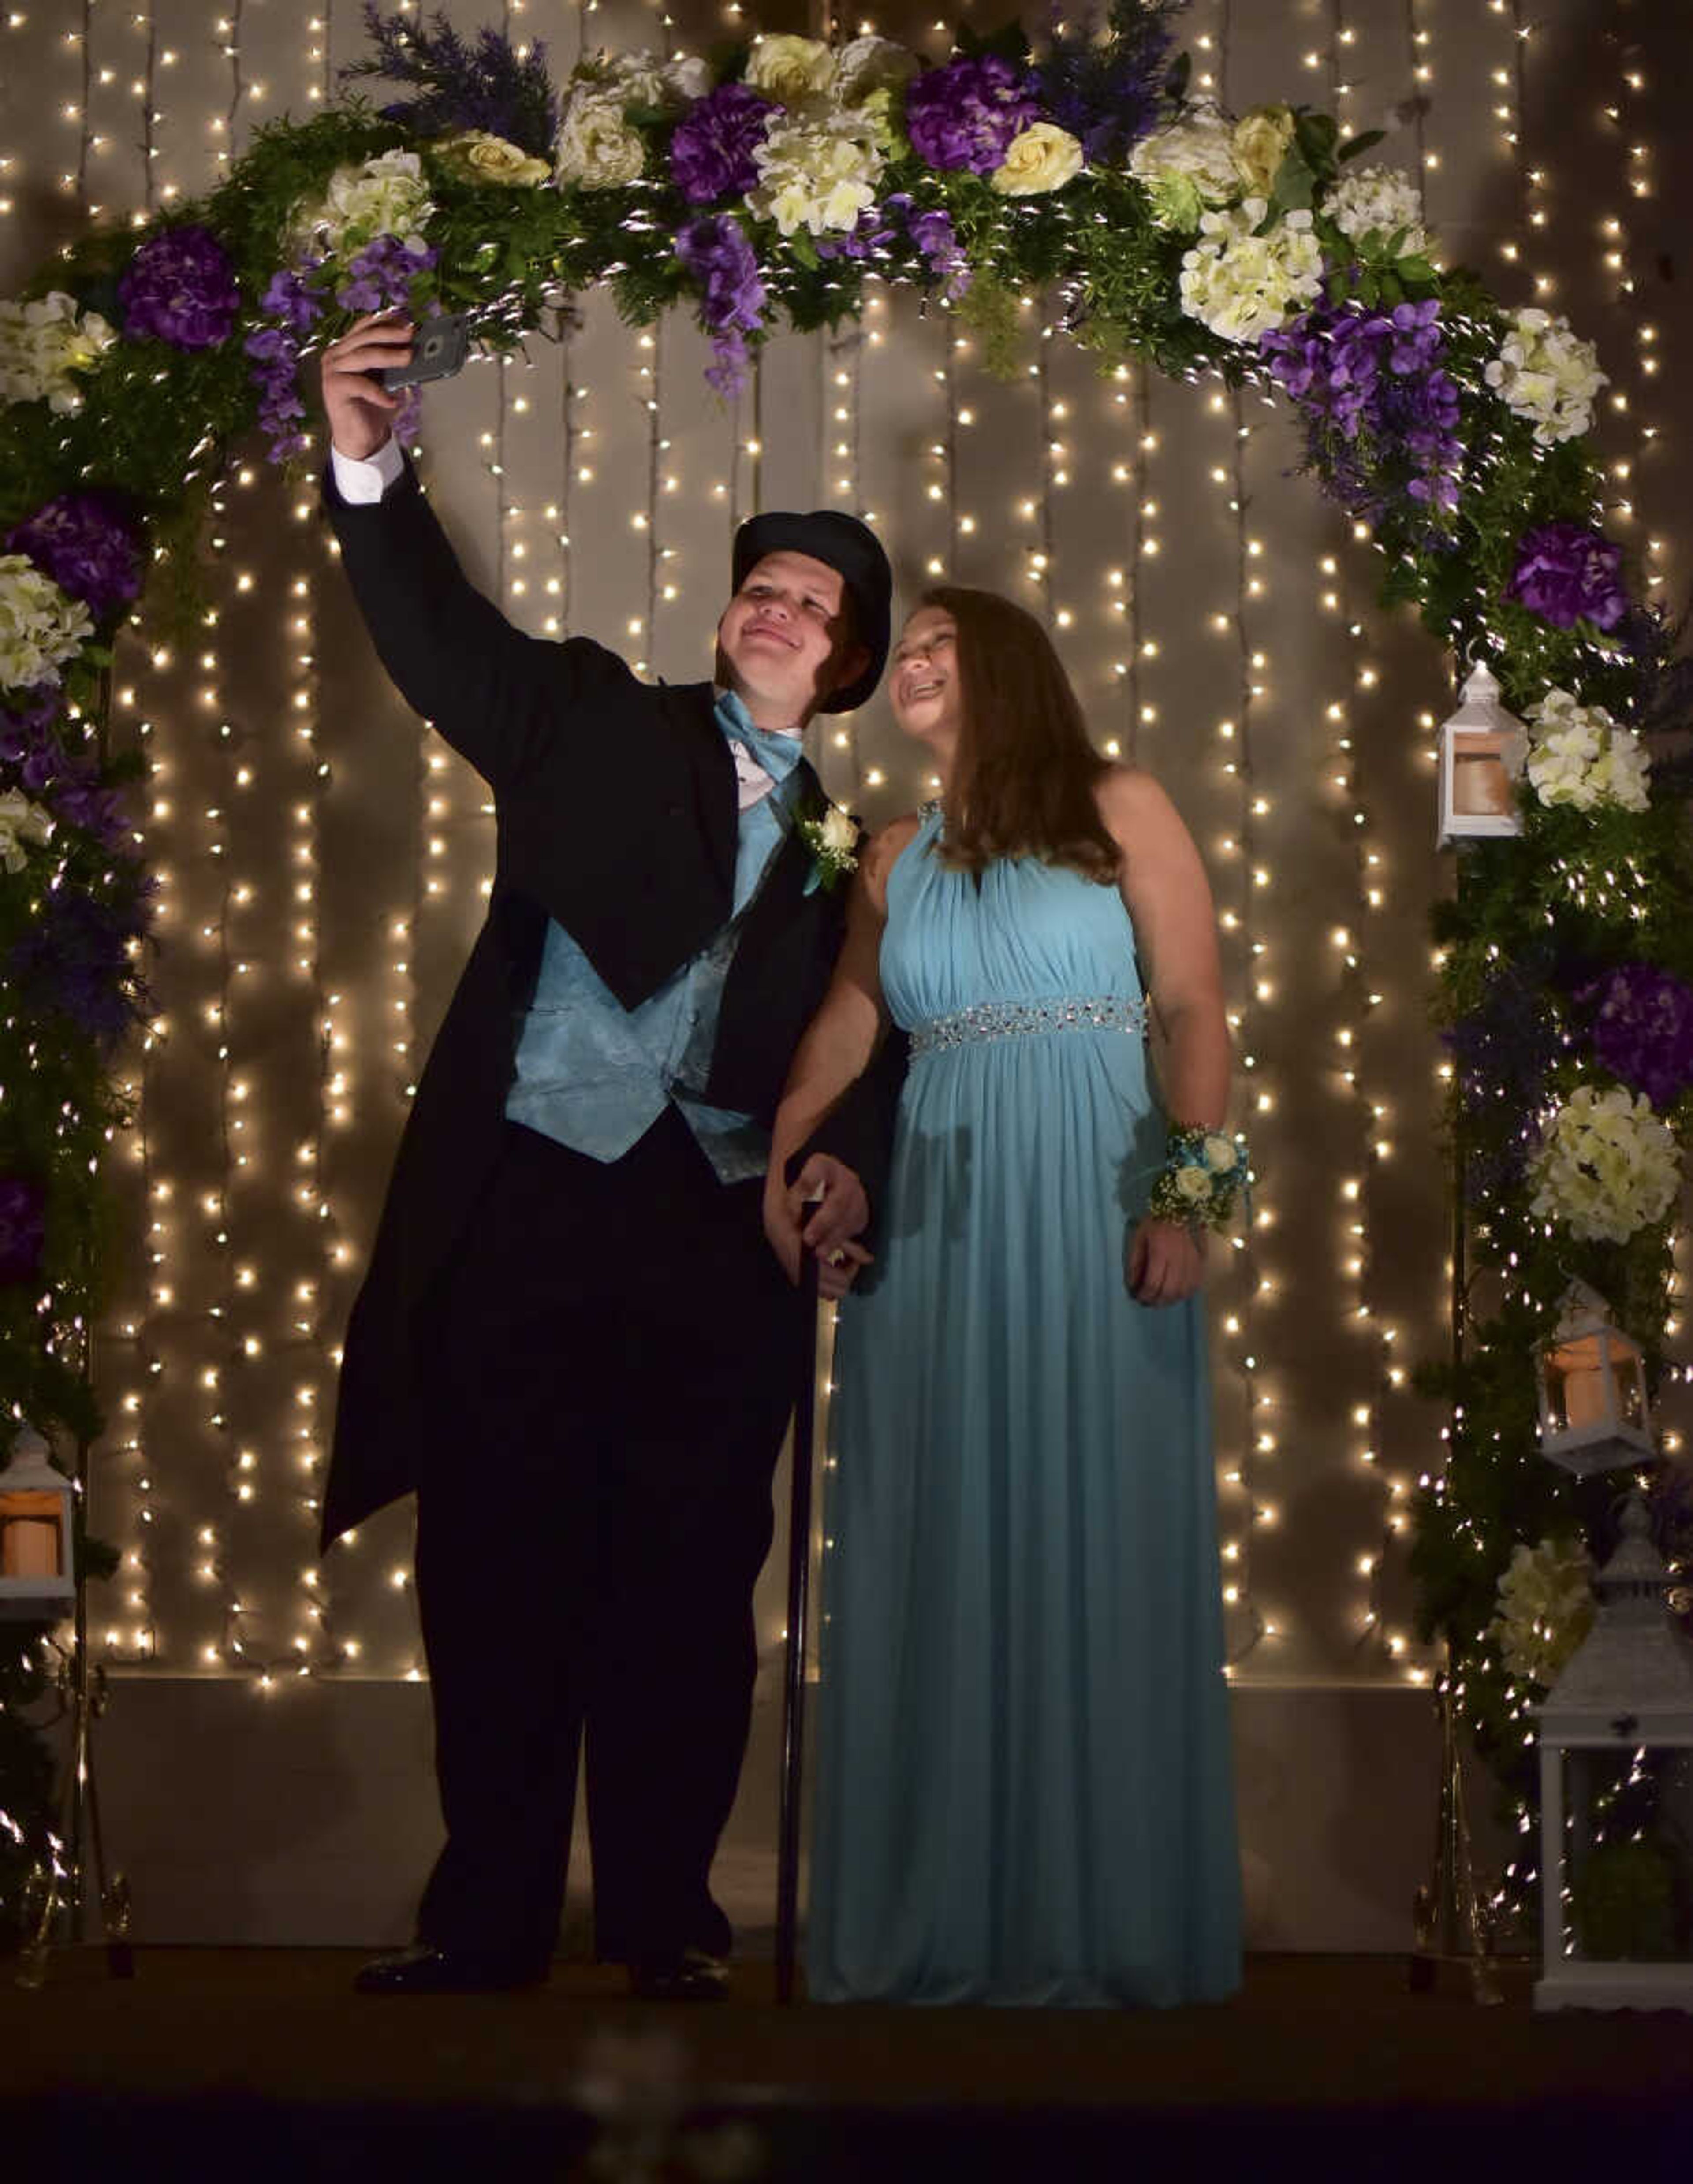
617 814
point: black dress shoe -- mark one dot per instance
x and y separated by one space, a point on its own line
695 1975
422 1970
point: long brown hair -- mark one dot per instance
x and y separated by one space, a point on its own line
1025 772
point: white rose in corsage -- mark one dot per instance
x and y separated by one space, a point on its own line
1041 158
1580 756
1546 1608
480 157
41 626
20 822
1187 167
1606 1167
597 149
832 841
1260 144
1203 1174
792 70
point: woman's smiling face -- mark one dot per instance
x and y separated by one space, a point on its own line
925 687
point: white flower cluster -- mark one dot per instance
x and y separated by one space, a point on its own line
20 822
819 175
1546 1608
1545 372
43 345
598 148
1240 284
1580 756
1378 201
385 196
1606 1166
39 627
1188 166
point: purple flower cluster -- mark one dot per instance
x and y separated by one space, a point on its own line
716 252
383 275
492 84
1643 1030
23 1227
966 114
1566 573
1503 1049
75 960
87 544
1108 93
878 234
1381 410
711 151
276 351
180 288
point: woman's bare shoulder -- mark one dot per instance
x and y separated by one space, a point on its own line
1131 799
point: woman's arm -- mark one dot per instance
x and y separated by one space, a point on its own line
838 1045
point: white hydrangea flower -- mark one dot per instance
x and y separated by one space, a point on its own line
1580 756
1606 1167
644 78
866 64
41 628
1378 201
385 196
1546 1608
1188 166
818 177
1545 372
20 822
43 345
597 149
1240 284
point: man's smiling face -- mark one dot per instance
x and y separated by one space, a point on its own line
783 641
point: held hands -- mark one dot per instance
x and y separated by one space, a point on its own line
1164 1262
823 1210
358 407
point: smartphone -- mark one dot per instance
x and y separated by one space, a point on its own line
439 349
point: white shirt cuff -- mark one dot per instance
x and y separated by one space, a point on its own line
363 483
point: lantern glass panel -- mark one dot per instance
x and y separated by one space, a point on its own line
31 1534
1481 784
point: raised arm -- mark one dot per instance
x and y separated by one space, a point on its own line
491 689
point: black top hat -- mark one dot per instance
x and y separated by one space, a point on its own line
853 551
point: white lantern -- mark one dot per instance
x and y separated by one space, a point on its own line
37 1569
1482 750
1594 1411
1628 1689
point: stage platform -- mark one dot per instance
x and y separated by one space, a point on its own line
250 2064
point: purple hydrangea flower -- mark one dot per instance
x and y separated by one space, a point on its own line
716 252
1566 573
1643 1030
86 543
1381 410
180 288
291 298
382 274
712 148
966 114
76 960
24 716
23 1227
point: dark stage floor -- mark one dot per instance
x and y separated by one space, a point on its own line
251 2063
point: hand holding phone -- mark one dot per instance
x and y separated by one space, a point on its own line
439 347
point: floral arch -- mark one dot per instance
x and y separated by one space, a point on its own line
763 189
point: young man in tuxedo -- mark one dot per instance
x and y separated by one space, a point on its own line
570 1290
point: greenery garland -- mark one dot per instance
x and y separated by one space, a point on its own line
764 188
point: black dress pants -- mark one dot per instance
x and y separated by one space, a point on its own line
619 1349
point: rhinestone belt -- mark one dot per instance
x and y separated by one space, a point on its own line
1019 1019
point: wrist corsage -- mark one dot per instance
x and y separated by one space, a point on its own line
1203 1174
832 841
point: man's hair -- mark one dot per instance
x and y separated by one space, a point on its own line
1025 772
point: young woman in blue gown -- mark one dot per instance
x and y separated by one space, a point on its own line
1024 1793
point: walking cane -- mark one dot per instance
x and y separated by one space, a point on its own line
793 1693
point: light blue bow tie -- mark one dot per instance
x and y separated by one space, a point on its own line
779 754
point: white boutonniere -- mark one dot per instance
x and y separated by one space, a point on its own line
832 841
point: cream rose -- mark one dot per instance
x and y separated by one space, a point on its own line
485 157
1262 139
1193 1183
840 834
597 149
1043 157
791 69
1220 1153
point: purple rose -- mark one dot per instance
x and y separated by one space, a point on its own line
712 148
1566 573
966 114
715 251
180 288
23 1227
1643 1030
84 542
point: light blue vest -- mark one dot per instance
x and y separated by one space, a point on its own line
596 1076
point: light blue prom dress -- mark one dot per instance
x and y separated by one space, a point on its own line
1024 1790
